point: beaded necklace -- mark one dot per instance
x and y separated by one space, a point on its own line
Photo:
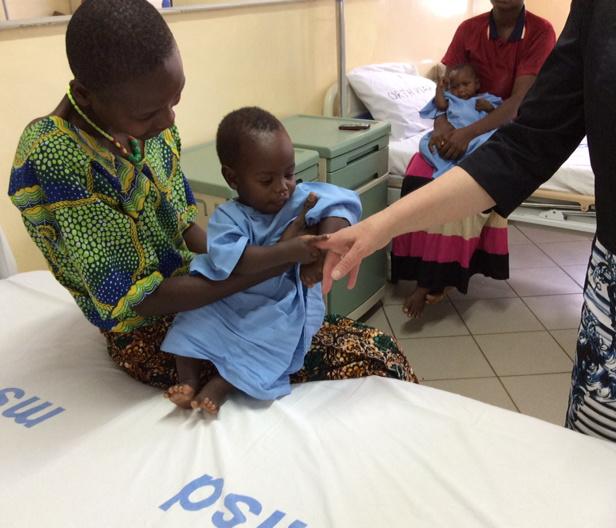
135 156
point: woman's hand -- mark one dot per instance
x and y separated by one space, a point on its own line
436 142
442 128
347 248
454 144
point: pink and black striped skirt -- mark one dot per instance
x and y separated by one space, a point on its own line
448 255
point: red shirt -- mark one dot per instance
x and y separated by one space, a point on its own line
496 61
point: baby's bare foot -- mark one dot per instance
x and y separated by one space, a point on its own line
181 394
212 395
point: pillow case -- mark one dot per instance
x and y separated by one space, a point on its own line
399 67
393 94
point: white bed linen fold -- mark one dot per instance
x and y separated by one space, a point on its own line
8 266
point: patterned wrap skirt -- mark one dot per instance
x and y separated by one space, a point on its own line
592 401
449 254
341 349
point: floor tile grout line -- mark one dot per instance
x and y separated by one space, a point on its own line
536 375
572 359
495 332
485 357
389 323
547 329
536 244
573 278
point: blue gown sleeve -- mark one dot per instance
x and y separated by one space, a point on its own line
333 201
429 111
228 234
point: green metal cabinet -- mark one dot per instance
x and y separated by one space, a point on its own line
356 160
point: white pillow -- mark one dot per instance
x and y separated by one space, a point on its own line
399 67
394 96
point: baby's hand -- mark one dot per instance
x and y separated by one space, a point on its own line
311 274
302 249
298 226
482 105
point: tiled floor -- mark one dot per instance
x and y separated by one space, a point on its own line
508 343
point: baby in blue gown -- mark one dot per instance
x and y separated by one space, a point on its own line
258 337
462 105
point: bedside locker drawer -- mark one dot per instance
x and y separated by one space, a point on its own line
362 170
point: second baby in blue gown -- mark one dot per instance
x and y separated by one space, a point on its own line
462 105
258 337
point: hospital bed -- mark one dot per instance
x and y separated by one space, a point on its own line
565 201
84 445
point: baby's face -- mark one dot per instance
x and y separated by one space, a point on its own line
463 83
265 176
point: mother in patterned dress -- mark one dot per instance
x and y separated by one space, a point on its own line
101 192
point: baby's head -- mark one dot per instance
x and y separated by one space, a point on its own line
127 69
257 158
463 81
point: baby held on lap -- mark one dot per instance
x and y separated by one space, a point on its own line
257 338
458 99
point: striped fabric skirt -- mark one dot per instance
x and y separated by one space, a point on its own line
592 401
449 254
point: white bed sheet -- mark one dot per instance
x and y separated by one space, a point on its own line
356 453
574 176
400 153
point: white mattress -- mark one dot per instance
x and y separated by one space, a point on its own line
574 176
356 453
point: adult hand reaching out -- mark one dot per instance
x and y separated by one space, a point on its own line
347 248
418 210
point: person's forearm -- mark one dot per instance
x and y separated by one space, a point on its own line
441 125
180 294
452 196
257 259
332 224
439 100
196 239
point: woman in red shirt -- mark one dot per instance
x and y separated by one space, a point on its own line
507 47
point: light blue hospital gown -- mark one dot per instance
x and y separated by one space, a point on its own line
258 337
460 113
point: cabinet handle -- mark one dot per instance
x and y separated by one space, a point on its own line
372 184
362 153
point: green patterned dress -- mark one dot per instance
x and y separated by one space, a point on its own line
111 232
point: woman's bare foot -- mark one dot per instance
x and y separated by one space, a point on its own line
212 395
181 394
414 303
435 297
